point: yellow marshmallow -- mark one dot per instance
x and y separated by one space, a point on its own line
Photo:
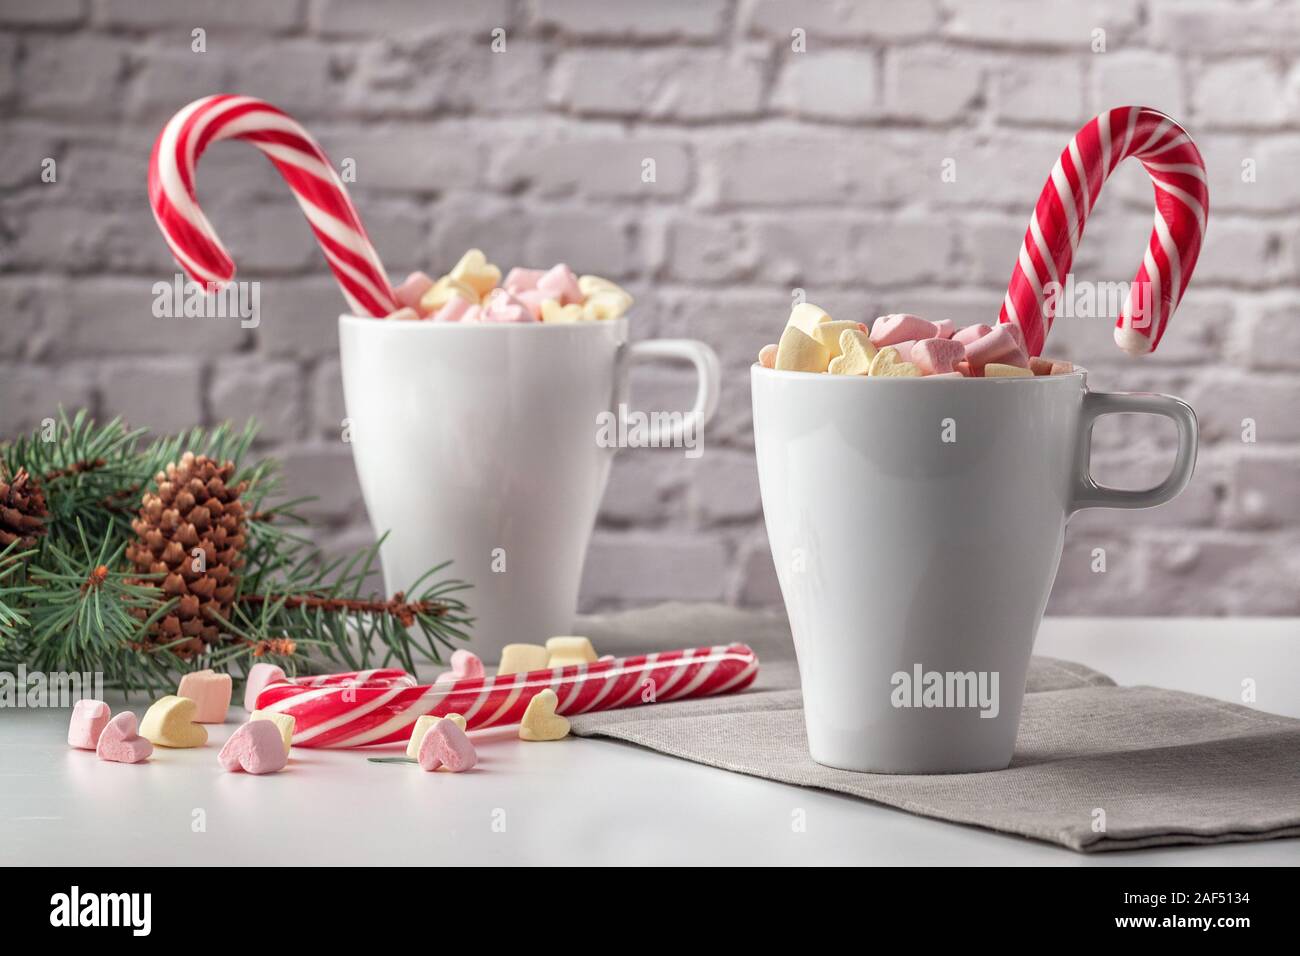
540 721
600 306
284 722
557 314
442 292
475 271
522 658
887 365
423 726
829 334
998 370
594 285
170 723
856 353
799 352
806 317
569 650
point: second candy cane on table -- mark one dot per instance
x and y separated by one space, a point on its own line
375 707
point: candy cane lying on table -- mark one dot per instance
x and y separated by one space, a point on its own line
304 166
377 707
1182 201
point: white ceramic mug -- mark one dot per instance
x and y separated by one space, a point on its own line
480 443
916 527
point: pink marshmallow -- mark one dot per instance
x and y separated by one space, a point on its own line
1017 333
900 327
210 691
259 675
403 315
89 718
533 300
256 747
522 280
466 664
120 741
473 314
446 745
998 346
560 283
971 333
412 289
944 329
937 356
454 310
503 306
946 375
904 349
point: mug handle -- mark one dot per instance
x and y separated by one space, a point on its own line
1089 494
708 372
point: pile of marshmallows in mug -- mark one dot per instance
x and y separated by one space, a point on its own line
473 292
903 346
262 744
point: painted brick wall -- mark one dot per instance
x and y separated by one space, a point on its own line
775 169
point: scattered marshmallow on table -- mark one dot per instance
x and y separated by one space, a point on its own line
465 665
285 723
259 675
422 726
446 745
89 718
210 692
169 722
256 748
563 651
120 741
522 658
540 721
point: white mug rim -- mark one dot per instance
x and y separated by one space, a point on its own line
1079 373
405 327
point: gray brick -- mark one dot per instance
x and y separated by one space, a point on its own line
34 317
158 14
841 19
407 158
930 84
1264 492
31 393
1081 590
268 391
300 317
499 229
1040 90
47 86
1138 76
724 486
759 586
114 316
162 395
644 567
1064 23
1271 403
326 474
1275 338
829 84
326 408
1243 92
403 17
687 85
663 20
457 72
590 242
643 485
1212 27
597 167
711 251
43 13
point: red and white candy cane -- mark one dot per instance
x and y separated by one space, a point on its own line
378 707
1182 200
304 166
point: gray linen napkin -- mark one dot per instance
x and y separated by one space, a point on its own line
1164 766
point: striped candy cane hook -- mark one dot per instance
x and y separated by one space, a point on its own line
1182 205
304 166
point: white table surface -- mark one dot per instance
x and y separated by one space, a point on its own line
579 801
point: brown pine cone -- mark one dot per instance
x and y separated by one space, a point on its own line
193 509
22 511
